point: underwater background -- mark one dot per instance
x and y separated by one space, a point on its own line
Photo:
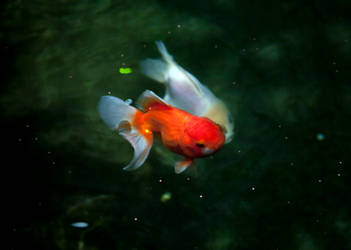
281 67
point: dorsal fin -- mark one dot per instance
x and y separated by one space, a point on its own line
149 98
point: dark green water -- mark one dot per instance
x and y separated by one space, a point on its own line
283 69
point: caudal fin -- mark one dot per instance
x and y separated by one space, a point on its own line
158 69
155 69
119 115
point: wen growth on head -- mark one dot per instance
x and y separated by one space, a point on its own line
181 132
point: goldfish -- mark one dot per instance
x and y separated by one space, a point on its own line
185 91
181 132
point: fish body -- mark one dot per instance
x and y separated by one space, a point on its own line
185 91
181 132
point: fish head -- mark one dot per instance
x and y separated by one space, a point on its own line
219 113
202 137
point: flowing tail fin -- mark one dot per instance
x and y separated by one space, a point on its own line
158 69
119 115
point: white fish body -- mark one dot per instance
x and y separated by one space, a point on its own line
186 92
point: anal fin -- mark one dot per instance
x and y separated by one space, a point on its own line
181 166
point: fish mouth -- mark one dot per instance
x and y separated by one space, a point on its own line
207 151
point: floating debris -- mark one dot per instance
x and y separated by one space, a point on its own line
80 224
125 70
166 197
320 136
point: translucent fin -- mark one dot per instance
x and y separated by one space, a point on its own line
155 69
141 145
118 115
163 51
113 111
181 166
148 98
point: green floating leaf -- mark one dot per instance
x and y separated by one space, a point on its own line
125 70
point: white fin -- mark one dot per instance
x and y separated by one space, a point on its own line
147 98
141 146
181 166
163 51
113 111
155 69
118 115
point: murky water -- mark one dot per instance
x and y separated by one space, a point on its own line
282 70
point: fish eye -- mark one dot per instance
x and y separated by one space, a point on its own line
200 145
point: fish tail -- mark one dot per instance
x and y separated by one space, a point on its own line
158 69
119 115
155 69
164 52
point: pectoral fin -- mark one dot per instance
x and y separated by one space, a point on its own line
181 166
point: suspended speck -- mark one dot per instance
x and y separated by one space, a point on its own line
179 26
27 126
70 77
286 137
243 50
319 180
291 164
109 93
122 55
320 136
160 180
336 70
340 162
188 178
19 139
166 197
169 32
135 219
253 188
80 224
201 196
338 174
233 83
